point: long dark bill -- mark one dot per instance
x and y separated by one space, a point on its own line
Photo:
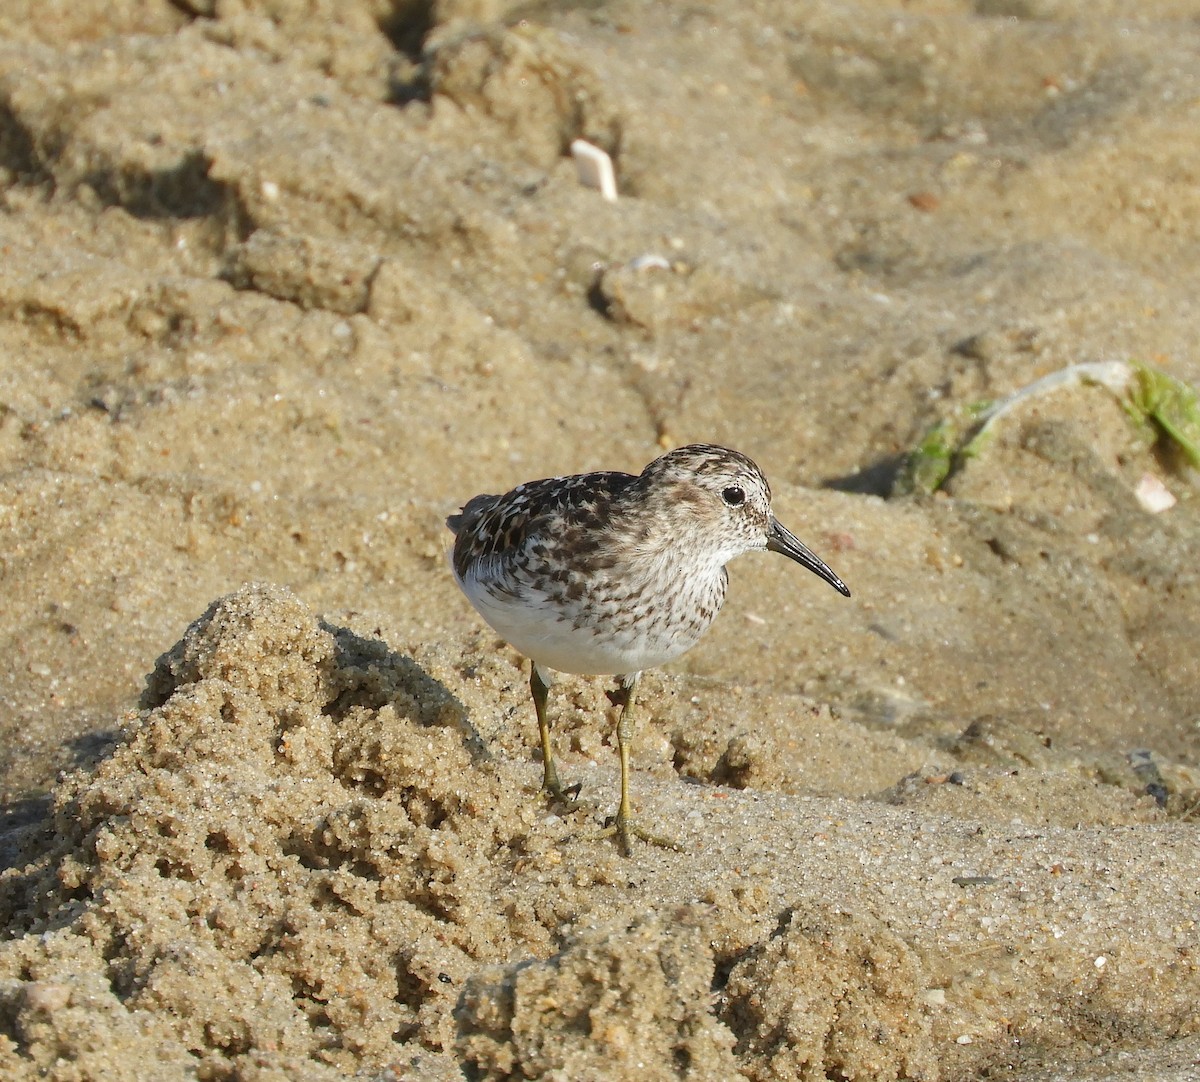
782 540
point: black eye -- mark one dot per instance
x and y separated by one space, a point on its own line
734 496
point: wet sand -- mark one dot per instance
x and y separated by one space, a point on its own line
285 284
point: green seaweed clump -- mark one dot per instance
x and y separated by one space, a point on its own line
1168 407
944 445
1164 408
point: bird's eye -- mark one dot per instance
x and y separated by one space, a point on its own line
734 496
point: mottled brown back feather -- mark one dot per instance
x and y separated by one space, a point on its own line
569 512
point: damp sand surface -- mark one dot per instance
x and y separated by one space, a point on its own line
284 284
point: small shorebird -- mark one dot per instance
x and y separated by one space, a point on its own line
608 573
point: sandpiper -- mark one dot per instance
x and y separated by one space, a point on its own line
608 573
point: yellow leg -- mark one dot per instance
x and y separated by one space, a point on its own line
625 828
550 783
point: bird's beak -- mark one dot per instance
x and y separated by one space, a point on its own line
781 539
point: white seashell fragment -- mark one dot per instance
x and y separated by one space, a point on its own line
1153 495
650 261
595 168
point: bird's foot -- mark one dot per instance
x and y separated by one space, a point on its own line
625 829
555 793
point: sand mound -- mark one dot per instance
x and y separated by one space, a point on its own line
302 860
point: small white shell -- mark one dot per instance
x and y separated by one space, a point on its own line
649 261
1153 495
595 168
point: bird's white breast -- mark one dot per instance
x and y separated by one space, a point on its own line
619 626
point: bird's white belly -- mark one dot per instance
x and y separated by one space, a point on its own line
577 640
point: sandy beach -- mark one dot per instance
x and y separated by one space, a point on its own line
285 282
